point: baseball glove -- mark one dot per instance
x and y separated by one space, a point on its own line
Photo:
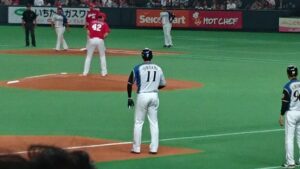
130 103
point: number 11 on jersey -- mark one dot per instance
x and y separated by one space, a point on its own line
149 74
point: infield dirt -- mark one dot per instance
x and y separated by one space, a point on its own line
100 150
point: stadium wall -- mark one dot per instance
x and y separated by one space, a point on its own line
263 21
266 21
3 15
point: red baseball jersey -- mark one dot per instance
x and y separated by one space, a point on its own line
98 29
92 15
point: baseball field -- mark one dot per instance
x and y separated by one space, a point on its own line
220 111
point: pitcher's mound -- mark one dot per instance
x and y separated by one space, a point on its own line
76 82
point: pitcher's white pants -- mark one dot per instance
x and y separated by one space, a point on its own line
292 126
91 46
146 104
60 38
167 34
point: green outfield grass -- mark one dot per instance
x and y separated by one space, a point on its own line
232 119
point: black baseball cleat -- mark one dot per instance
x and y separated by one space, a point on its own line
169 46
153 153
165 46
134 152
288 165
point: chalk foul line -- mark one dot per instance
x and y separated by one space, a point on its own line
222 135
273 167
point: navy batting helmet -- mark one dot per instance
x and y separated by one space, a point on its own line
292 71
147 54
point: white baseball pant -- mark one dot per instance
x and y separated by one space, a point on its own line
167 34
292 125
91 46
146 104
60 38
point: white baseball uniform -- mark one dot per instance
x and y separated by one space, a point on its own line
148 77
167 26
291 93
60 28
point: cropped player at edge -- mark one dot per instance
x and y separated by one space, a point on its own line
290 107
149 78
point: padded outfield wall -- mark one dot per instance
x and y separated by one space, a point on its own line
148 18
3 15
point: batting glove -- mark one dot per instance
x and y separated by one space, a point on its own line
130 103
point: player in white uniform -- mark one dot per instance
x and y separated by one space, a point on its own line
166 20
60 22
149 78
291 107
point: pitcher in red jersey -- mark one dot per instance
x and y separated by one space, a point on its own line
98 30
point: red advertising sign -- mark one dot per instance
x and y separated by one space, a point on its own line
150 18
217 19
192 19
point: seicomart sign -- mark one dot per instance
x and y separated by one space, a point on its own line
150 18
192 19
